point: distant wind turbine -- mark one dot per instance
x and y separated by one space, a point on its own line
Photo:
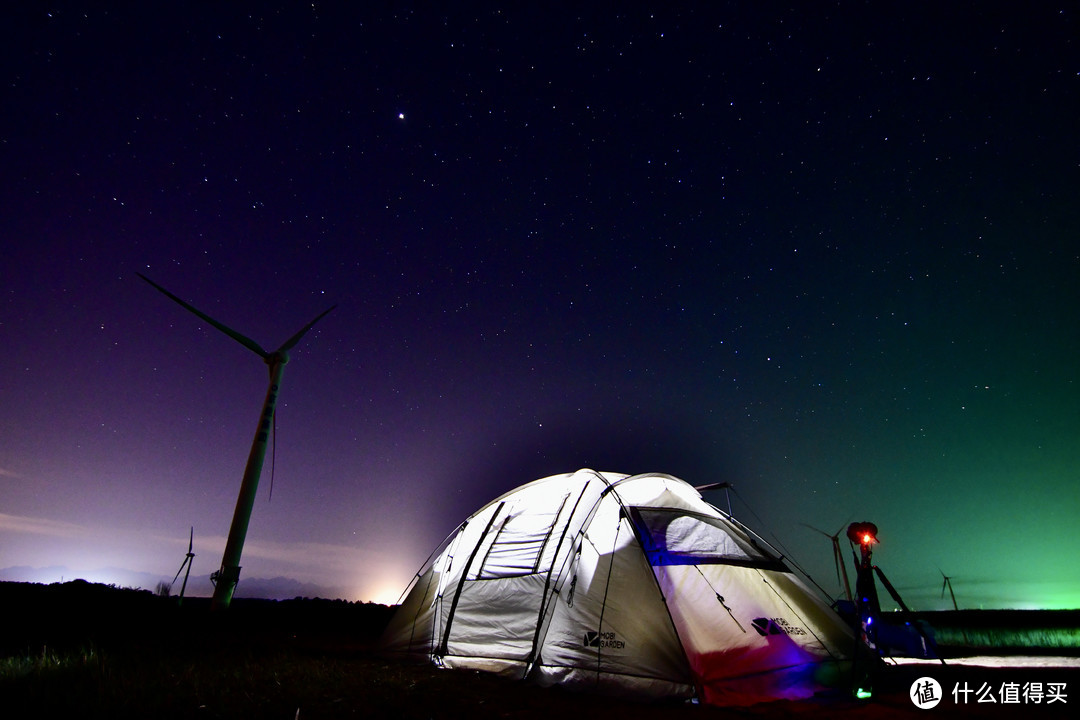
226 578
838 557
187 563
946 582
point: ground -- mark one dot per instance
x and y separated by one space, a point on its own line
87 651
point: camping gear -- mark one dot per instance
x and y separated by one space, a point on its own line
627 584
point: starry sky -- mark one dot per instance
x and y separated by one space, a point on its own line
828 253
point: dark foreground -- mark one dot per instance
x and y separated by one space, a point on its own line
89 651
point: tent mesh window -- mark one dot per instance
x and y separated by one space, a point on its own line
519 543
676 537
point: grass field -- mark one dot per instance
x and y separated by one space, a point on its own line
89 651
1012 631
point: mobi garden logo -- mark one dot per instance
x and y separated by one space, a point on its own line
603 640
776 626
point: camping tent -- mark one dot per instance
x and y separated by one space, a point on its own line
628 584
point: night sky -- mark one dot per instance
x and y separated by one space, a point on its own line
829 254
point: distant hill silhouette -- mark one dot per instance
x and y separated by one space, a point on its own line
76 612
277 588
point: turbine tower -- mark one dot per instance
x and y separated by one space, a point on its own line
226 578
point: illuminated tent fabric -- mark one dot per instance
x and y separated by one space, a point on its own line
628 584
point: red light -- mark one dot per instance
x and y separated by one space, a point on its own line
864 533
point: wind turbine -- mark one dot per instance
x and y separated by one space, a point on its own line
946 582
186 563
226 578
838 557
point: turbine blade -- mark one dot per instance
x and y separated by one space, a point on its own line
186 560
191 539
296 338
817 530
186 576
242 339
